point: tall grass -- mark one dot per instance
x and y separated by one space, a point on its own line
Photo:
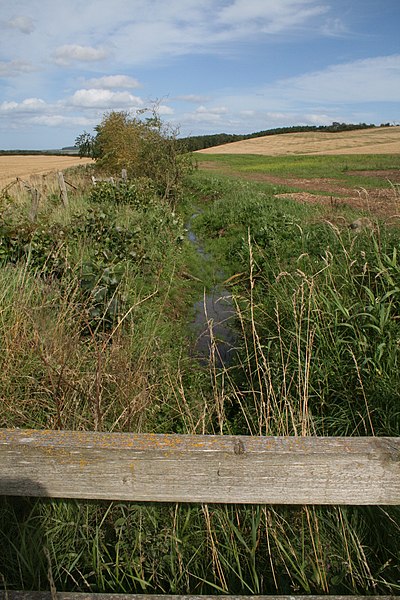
316 316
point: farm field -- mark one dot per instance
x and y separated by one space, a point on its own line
362 181
382 140
24 166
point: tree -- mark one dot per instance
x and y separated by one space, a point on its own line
145 147
86 144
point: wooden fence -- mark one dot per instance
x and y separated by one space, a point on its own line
195 468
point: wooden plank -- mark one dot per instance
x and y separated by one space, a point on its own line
179 468
87 596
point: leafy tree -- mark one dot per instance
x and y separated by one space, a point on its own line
145 147
86 144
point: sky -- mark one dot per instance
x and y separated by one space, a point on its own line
210 66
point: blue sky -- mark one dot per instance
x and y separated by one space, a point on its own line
213 66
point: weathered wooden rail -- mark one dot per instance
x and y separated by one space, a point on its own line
184 468
195 468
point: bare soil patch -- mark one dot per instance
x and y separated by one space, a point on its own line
383 203
24 166
379 203
392 175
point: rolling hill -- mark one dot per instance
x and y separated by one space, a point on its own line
382 140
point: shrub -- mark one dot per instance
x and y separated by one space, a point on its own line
144 147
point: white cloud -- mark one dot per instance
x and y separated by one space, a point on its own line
27 105
104 99
345 92
65 55
334 27
8 106
15 67
319 119
270 16
163 109
217 110
196 99
114 82
62 120
202 114
128 33
23 23
139 32
180 27
279 116
369 80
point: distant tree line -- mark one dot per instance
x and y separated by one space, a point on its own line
68 151
200 142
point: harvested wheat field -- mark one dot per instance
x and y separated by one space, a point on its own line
382 140
24 166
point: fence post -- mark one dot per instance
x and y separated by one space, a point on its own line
124 175
63 189
34 205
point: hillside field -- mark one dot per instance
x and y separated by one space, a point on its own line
24 166
382 140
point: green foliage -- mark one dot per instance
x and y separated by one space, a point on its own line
42 246
104 303
140 192
126 227
184 549
144 148
95 306
323 305
86 144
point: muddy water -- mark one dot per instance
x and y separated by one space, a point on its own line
212 323
213 319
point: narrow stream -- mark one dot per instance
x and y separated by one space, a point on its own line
213 318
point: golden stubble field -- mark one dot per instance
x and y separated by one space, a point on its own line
382 140
25 166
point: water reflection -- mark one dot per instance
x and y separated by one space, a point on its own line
213 326
213 319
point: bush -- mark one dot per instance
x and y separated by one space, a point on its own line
144 147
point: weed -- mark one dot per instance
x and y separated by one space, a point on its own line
93 323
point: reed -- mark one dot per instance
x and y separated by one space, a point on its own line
108 348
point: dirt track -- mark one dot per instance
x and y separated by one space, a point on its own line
381 140
24 166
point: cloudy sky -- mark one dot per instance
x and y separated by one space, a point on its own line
212 65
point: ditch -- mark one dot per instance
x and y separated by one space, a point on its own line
213 316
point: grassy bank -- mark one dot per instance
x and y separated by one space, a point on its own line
317 307
95 312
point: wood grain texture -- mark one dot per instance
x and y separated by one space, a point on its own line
223 469
85 596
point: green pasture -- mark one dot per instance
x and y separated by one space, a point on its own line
344 168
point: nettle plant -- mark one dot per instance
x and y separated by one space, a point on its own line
140 193
42 246
101 288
